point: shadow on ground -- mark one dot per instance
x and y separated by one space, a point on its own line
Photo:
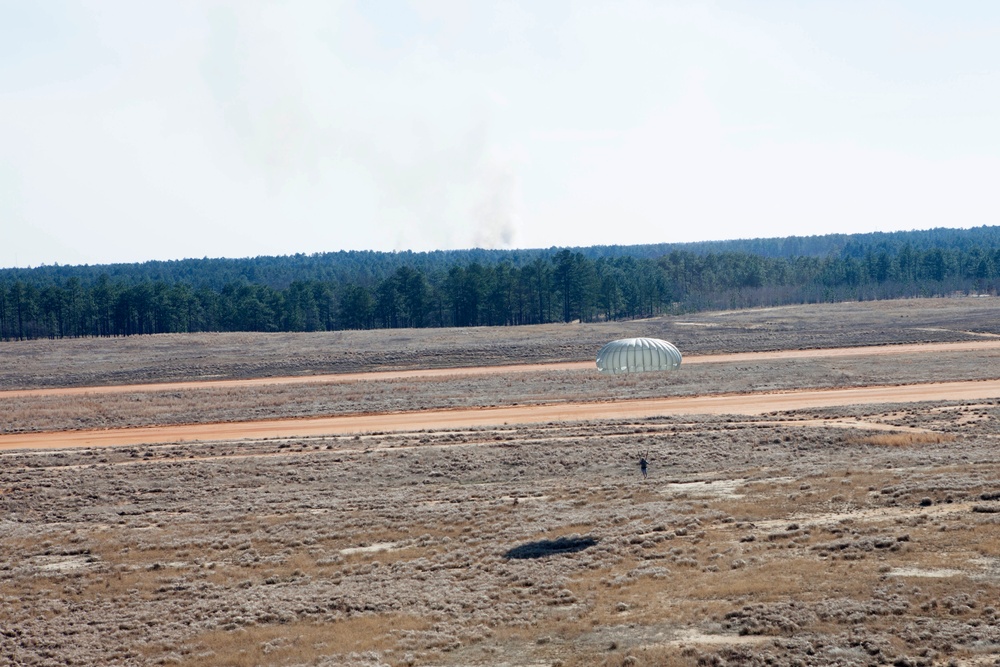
543 548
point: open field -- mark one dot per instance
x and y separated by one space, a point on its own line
493 387
432 420
858 534
182 357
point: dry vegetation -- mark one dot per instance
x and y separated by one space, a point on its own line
779 540
162 358
204 405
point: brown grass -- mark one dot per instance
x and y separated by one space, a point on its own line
230 553
901 439
298 642
651 656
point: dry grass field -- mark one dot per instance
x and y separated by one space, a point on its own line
855 535
162 358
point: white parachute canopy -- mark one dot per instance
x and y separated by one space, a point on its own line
635 355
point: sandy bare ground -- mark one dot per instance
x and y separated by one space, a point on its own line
430 418
333 378
744 404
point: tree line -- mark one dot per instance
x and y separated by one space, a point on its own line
560 285
367 267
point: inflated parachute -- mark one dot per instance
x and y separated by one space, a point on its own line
635 355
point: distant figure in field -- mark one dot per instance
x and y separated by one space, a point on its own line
643 463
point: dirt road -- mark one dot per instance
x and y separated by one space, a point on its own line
923 348
745 404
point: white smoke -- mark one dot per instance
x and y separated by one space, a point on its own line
397 148
495 216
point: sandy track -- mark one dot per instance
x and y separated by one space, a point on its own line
921 348
874 350
745 404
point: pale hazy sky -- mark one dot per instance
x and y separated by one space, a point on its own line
140 130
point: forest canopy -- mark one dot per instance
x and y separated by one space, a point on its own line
368 289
